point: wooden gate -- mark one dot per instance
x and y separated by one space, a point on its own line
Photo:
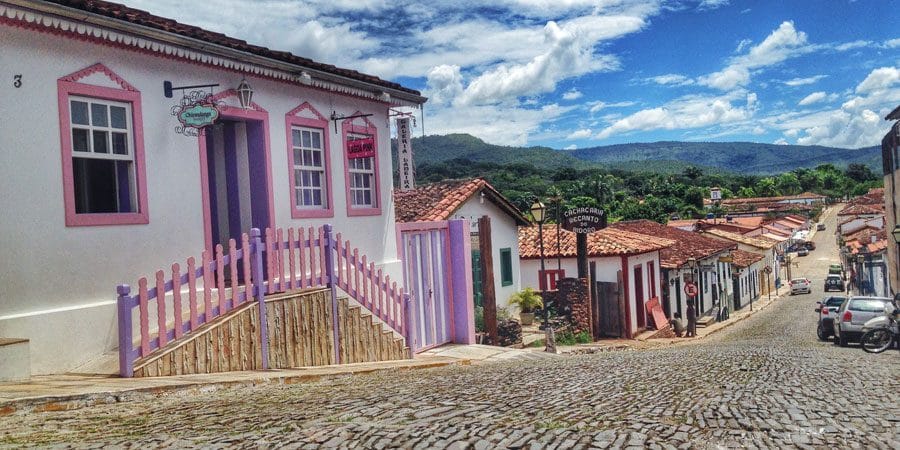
425 250
607 303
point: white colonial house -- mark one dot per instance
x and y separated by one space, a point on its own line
102 183
622 258
472 199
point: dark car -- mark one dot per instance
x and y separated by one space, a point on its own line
834 283
827 309
810 245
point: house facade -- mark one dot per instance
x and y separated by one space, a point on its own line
472 199
629 260
692 258
106 184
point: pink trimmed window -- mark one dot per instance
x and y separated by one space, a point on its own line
309 157
361 168
104 179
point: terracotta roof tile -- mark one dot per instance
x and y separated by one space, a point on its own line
438 201
606 242
856 210
739 238
744 258
686 244
143 18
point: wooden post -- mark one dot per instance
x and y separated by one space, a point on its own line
595 301
582 254
487 280
126 356
329 273
259 285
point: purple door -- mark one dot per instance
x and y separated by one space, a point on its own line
426 270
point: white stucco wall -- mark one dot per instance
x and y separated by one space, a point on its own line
504 234
57 283
607 270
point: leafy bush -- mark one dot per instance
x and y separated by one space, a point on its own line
527 300
479 318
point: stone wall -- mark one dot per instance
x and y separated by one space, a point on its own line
573 299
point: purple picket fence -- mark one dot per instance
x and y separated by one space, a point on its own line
298 259
221 293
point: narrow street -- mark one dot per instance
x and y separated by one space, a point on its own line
764 382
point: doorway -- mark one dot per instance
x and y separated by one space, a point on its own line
237 186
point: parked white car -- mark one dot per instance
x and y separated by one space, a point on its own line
800 286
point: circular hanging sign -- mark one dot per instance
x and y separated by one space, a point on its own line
584 220
690 289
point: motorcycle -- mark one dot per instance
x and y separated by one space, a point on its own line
879 333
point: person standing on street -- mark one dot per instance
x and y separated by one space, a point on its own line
691 319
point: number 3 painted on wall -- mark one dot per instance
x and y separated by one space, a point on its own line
17 81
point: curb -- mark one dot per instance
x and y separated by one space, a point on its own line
52 403
729 323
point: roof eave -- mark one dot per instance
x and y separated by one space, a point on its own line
398 97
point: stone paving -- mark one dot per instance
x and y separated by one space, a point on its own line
765 382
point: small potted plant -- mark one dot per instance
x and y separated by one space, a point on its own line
527 300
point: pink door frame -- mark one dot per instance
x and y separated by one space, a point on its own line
256 114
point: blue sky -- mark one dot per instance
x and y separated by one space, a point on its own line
583 73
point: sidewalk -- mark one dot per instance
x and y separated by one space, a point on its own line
737 316
65 392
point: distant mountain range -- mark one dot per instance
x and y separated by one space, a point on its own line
737 157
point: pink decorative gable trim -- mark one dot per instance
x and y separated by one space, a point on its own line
369 123
305 106
233 93
98 68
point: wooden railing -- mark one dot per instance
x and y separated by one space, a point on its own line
298 259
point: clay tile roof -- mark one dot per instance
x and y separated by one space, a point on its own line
744 258
438 201
143 18
856 210
774 237
741 239
687 244
606 242
682 223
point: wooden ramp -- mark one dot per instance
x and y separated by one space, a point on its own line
299 331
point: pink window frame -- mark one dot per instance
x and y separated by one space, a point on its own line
320 122
346 128
69 86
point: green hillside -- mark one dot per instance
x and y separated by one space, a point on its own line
660 157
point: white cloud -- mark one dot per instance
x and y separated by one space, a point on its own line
781 141
671 79
804 81
571 147
892 43
583 133
444 84
572 94
783 43
813 98
852 45
599 105
501 125
880 78
687 112
712 4
857 123
742 45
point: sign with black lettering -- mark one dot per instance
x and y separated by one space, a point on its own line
584 220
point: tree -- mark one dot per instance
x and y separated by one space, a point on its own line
692 172
788 184
746 192
859 173
766 187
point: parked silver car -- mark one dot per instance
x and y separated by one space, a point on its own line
827 309
853 314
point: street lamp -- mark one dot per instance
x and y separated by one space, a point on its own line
538 212
245 94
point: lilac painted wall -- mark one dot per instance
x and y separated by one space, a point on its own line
463 304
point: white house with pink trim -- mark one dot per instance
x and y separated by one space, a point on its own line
99 188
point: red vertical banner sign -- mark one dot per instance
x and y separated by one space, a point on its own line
405 156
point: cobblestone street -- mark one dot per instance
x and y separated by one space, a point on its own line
764 382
